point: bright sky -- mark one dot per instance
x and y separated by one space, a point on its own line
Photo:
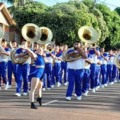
110 3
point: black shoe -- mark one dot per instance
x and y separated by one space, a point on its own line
39 100
33 106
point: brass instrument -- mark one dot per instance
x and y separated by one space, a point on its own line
31 33
46 36
88 35
70 56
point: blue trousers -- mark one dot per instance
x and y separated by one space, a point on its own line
86 80
94 75
104 73
56 73
109 72
22 75
3 71
64 70
98 76
11 69
114 72
75 77
48 72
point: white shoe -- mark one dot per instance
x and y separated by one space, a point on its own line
44 89
5 87
93 90
58 84
97 88
74 94
68 98
48 88
106 85
102 86
79 98
85 94
18 94
111 83
52 86
25 94
9 86
66 83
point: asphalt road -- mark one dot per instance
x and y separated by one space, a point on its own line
102 105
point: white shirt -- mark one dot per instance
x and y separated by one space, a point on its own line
77 64
110 59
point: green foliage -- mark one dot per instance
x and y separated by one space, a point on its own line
118 10
112 20
65 19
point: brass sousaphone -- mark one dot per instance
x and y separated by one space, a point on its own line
46 36
88 35
31 33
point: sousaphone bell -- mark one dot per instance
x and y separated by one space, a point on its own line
86 34
31 33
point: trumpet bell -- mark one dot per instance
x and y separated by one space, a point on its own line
30 32
46 35
88 34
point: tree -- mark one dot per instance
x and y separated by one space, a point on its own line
118 10
65 19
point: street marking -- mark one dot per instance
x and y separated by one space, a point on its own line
49 102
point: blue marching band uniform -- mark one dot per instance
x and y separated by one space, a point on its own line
79 76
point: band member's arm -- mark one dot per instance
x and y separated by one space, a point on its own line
88 61
31 53
83 54
104 57
96 52
99 62
5 53
52 55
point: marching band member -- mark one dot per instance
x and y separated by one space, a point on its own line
64 67
48 66
36 76
32 65
94 52
114 73
110 67
57 67
11 66
75 72
98 75
86 77
22 71
104 59
3 62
